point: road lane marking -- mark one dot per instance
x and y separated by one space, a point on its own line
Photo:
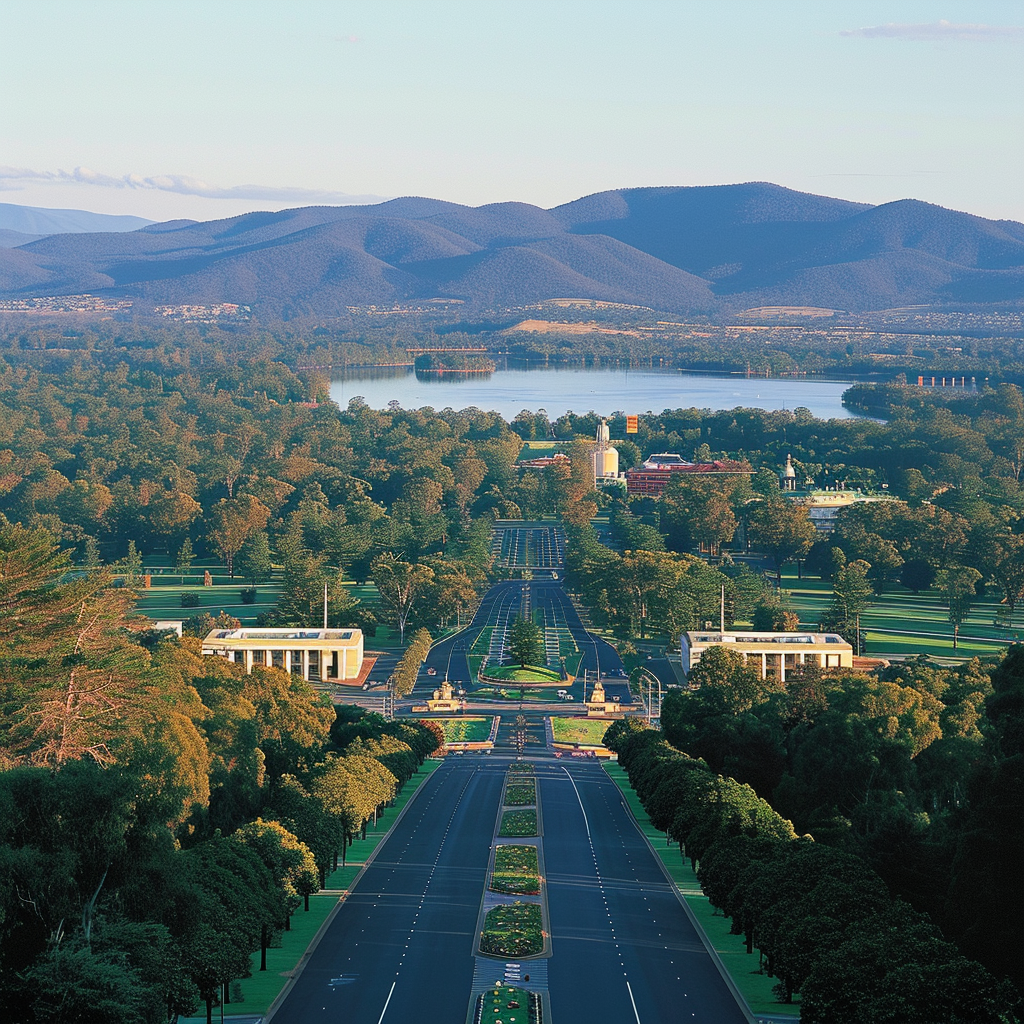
578 797
631 999
392 992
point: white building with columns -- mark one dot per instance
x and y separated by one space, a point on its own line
772 654
315 654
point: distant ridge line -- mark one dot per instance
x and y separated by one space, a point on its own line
747 250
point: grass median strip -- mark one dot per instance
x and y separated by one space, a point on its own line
520 794
516 870
513 929
518 823
463 730
253 995
743 967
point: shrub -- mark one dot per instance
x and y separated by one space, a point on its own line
189 600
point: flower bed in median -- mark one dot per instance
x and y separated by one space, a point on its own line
516 870
518 823
509 1005
520 794
513 929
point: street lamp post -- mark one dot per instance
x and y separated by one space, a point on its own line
651 680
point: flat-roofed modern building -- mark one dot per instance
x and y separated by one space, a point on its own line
774 654
319 654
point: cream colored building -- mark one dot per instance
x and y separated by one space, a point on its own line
322 654
774 654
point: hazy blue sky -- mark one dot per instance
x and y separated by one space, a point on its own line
211 108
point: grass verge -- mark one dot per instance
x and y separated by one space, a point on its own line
262 988
743 967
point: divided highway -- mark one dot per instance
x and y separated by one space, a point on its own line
402 946
404 937
450 658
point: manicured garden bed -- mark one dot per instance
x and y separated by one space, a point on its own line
464 730
578 730
513 929
518 823
520 794
520 768
510 1005
516 870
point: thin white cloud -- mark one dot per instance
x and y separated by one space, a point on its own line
182 185
940 31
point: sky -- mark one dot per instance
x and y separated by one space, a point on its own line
172 108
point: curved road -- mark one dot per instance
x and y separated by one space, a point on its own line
402 946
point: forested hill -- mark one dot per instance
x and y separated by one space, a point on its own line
702 250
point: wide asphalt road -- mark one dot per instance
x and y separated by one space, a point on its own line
624 949
450 658
402 946
404 939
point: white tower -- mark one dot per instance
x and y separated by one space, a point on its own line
606 458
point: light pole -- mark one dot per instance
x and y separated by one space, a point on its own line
651 680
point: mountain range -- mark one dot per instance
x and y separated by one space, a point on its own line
701 249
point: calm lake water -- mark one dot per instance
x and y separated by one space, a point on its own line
581 390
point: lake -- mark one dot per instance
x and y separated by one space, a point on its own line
581 390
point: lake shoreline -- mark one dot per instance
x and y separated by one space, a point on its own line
555 390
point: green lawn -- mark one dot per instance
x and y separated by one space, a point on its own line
742 966
162 600
891 620
589 732
464 730
522 674
260 990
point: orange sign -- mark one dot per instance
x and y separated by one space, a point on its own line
632 424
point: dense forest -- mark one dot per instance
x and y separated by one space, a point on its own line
191 807
828 922
164 814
